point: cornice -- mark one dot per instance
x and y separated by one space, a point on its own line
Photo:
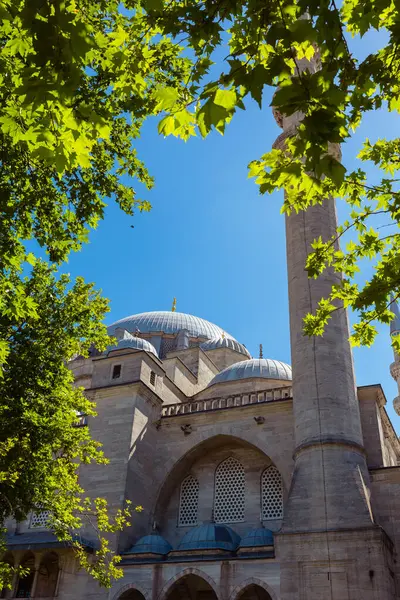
115 390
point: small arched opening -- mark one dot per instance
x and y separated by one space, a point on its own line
25 581
193 587
47 576
132 595
254 592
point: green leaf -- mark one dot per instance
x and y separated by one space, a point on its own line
165 97
153 5
226 99
167 125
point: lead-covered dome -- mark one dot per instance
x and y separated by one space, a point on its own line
210 537
151 544
257 537
264 368
126 340
224 342
170 323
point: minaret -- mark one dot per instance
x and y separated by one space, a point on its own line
330 484
395 366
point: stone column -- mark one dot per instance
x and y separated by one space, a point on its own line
38 559
330 485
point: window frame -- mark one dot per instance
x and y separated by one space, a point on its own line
113 366
262 515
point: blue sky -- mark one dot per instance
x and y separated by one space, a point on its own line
213 242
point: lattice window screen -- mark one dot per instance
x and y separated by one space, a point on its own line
168 345
40 518
189 501
229 501
271 494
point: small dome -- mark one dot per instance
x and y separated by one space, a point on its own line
224 342
210 537
257 537
151 544
265 368
126 340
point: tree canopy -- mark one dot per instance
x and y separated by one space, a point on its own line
78 80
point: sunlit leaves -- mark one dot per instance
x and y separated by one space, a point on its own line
165 98
77 81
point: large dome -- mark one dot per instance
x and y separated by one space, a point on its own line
169 322
265 368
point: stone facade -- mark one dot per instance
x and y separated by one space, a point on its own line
253 486
160 421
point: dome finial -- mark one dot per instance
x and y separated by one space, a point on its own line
261 351
173 309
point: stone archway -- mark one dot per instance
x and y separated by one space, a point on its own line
188 457
254 592
190 583
25 582
47 576
131 591
253 589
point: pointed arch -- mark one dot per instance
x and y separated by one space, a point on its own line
229 491
188 501
176 466
190 571
47 577
131 586
271 494
25 583
239 589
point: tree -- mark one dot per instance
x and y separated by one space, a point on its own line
40 445
78 79
270 44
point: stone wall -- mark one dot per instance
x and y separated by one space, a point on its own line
227 577
175 452
347 565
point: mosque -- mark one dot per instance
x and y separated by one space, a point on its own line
204 437
258 480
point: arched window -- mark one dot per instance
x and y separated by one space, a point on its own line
271 494
25 582
189 501
47 576
229 499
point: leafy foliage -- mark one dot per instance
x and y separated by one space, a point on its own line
301 48
78 79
